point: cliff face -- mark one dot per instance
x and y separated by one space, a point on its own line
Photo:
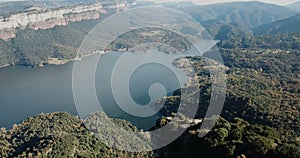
37 18
7 33
62 21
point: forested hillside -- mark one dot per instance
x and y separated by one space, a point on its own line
58 135
63 135
235 139
244 14
291 24
35 47
260 46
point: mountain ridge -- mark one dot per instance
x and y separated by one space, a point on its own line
244 14
291 24
294 6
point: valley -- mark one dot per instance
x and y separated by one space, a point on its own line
259 44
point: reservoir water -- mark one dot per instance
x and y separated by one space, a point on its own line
26 92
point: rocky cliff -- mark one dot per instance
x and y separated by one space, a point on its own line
38 18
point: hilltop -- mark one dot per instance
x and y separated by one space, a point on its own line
58 135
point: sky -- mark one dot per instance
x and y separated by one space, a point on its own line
203 2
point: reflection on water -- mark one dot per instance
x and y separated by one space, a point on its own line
30 91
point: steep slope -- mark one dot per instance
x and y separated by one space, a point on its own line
222 31
44 18
291 24
57 34
34 47
227 31
262 81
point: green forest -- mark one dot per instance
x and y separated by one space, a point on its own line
260 117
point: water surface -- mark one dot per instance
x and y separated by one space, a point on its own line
27 91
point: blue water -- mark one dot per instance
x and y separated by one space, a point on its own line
27 91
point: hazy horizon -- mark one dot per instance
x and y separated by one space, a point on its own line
205 2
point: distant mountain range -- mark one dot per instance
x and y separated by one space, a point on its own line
291 24
244 14
225 20
295 6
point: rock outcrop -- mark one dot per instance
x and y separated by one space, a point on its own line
38 18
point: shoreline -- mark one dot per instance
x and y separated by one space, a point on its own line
56 61
3 66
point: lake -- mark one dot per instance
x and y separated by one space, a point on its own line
27 91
